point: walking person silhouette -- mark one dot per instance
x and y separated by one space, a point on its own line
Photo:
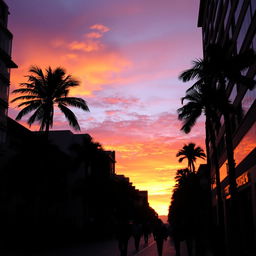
146 232
160 234
123 235
137 232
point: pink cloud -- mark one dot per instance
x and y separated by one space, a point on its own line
100 27
93 35
88 46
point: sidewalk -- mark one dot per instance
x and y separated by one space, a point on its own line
168 249
108 248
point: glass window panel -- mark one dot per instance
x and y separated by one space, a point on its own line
244 72
248 100
224 170
253 6
254 43
246 145
238 9
230 33
243 30
213 181
222 120
216 15
233 94
227 13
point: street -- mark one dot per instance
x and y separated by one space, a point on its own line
110 248
107 248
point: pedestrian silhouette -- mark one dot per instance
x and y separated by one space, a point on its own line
146 232
160 234
123 235
136 232
176 235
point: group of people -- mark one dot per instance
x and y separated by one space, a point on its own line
136 230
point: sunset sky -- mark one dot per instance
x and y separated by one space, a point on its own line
128 56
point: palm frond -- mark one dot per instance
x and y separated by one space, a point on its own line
26 110
74 102
25 103
25 97
37 115
70 116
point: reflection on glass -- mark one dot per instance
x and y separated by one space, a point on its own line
213 181
230 33
224 170
253 6
222 120
254 42
238 9
243 30
227 13
248 100
242 179
233 94
244 72
216 15
246 145
227 192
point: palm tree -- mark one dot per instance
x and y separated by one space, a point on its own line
217 70
185 208
221 67
191 153
45 90
208 101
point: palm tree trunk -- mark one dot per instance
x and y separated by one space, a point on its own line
220 209
47 130
230 156
234 212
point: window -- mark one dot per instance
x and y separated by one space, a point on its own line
230 33
233 94
216 15
227 13
244 72
222 120
253 6
243 30
254 42
224 170
248 100
246 145
238 9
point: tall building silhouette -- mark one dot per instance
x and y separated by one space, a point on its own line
235 20
6 64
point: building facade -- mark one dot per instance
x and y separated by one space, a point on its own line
6 64
235 20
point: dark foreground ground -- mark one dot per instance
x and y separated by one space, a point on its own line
104 248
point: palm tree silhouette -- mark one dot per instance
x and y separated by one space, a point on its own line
220 67
217 70
191 153
184 210
208 101
45 90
